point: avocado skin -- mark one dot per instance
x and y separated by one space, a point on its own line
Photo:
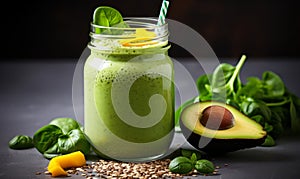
219 146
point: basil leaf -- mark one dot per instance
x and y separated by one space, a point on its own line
205 166
194 158
181 165
188 153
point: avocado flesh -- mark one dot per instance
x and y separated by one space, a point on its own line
245 133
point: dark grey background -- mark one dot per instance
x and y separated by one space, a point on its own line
59 29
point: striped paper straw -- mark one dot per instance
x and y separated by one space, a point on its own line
163 12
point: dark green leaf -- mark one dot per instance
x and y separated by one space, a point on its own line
73 141
233 103
273 85
51 152
259 119
65 124
181 165
295 120
253 88
269 142
204 89
221 76
46 137
268 128
107 17
21 142
188 153
194 158
205 166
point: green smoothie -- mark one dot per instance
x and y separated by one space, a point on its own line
129 101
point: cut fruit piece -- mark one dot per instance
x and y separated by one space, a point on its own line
245 132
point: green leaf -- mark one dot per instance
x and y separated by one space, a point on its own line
269 142
46 137
204 89
295 121
205 166
253 88
62 136
107 17
225 80
221 75
233 102
268 128
259 119
181 165
73 141
188 153
65 124
51 152
250 107
21 142
273 85
194 158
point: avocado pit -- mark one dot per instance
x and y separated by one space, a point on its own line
217 118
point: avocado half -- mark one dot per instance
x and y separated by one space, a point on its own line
244 133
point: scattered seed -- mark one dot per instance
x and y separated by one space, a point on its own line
115 169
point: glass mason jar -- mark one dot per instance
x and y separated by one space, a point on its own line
129 91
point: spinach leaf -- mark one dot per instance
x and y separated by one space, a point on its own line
46 137
204 88
269 142
226 78
295 121
21 142
251 107
273 85
61 136
253 89
73 141
52 152
65 124
221 77
108 17
259 119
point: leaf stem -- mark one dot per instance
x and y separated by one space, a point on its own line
278 103
236 71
